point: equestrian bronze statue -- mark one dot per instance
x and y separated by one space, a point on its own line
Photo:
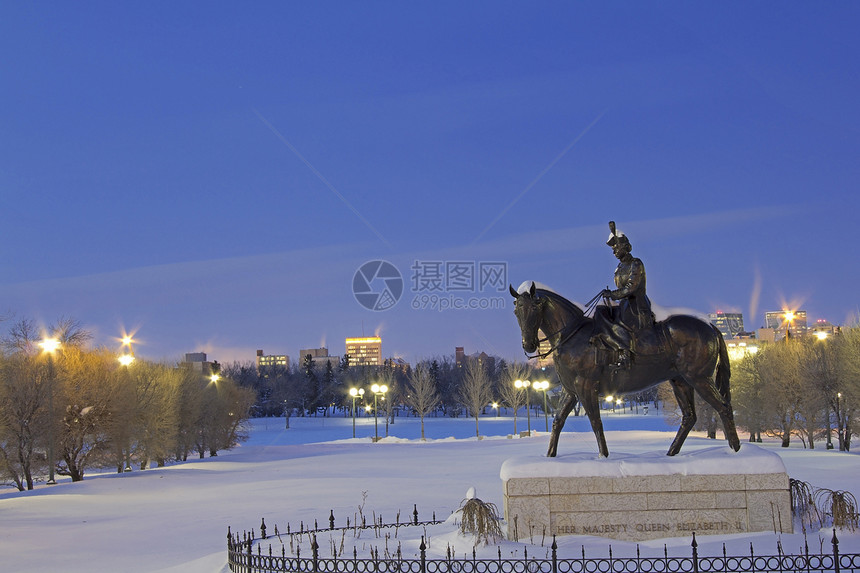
624 350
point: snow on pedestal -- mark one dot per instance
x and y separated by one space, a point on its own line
647 496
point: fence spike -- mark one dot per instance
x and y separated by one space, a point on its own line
331 520
835 543
695 545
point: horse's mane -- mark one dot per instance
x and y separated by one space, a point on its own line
543 290
571 307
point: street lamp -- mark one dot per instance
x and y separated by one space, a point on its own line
125 360
496 408
355 393
839 421
50 345
520 384
611 400
543 386
378 390
789 316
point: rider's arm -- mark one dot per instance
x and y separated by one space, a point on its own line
633 282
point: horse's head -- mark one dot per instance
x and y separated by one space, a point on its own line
528 309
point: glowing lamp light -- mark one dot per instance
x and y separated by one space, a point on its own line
49 344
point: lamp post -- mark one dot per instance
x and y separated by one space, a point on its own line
789 316
839 422
378 390
125 360
50 345
520 384
543 386
355 393
610 400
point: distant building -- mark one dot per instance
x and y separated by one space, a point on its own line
319 356
364 351
822 329
196 361
730 324
272 360
460 358
782 321
398 364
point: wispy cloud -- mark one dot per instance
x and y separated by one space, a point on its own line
322 178
538 178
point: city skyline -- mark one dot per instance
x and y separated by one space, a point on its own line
227 179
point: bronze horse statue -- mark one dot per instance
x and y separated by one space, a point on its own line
688 352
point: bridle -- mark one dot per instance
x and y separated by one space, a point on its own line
589 309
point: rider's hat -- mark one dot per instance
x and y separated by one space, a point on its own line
616 237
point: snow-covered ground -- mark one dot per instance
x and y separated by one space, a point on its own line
176 518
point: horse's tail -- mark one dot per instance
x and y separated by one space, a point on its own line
724 369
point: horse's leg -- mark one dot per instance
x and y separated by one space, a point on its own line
686 402
591 406
711 395
558 423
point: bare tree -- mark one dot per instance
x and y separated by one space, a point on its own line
86 379
23 337
422 395
23 387
512 396
845 401
154 423
780 370
748 398
476 390
815 361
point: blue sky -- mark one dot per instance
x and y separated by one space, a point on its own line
212 175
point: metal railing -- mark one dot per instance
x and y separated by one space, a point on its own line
243 558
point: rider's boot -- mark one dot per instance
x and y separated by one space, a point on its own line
621 352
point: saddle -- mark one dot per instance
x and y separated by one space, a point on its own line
647 345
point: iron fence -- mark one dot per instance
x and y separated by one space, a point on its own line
242 558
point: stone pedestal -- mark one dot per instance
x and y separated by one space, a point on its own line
647 496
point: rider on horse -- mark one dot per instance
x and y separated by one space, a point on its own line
617 326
